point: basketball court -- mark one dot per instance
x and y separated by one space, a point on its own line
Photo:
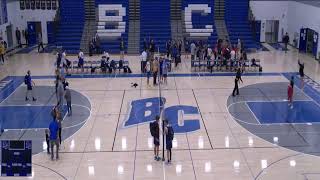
251 136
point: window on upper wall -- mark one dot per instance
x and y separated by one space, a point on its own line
48 4
27 4
37 4
43 4
33 4
22 4
54 4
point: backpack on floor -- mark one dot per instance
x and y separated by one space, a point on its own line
129 70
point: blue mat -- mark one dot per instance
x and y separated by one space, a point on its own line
280 112
26 117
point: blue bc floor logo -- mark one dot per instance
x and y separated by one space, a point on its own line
145 110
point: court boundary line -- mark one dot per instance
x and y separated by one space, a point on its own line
117 127
201 116
68 127
255 117
266 124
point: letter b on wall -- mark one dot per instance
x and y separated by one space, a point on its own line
111 21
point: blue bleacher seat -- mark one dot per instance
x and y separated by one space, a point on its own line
71 25
155 22
236 16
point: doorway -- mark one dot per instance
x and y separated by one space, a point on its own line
9 36
309 41
272 31
34 28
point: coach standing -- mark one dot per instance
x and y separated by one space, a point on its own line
286 40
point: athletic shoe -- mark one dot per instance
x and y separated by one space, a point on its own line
158 158
34 99
27 99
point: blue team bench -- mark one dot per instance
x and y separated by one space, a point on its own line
95 66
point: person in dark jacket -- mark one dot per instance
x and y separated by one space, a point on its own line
286 40
155 133
236 87
169 138
18 37
301 73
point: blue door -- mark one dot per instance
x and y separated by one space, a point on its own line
50 31
315 43
32 33
303 40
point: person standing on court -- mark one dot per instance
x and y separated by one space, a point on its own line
2 51
169 138
68 99
18 37
165 69
30 84
286 40
47 140
152 48
236 86
59 121
122 49
193 51
238 75
148 71
26 36
155 69
54 128
290 93
155 133
40 42
301 73
60 94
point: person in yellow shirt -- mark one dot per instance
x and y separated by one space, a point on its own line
2 52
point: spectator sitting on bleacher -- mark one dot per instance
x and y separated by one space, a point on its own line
152 48
103 64
254 63
113 65
209 53
106 54
168 48
81 60
91 48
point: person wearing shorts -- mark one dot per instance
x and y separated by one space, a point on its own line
169 138
165 68
155 133
148 71
28 81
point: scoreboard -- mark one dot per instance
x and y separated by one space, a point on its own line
16 158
